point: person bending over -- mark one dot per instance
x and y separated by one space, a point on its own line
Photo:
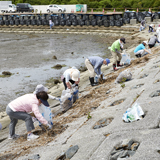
93 65
19 108
72 76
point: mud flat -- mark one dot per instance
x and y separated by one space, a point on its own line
76 127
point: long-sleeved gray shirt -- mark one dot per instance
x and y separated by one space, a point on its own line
97 63
153 40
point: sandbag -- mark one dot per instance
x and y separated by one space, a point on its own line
133 114
124 76
46 113
66 99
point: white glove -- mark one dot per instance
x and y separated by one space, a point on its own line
49 126
58 99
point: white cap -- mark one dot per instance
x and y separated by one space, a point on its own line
40 88
145 42
75 75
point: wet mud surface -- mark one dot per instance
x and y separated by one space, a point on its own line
29 57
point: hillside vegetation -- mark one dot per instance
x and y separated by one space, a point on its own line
98 3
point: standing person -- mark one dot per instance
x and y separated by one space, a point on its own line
140 49
71 75
151 28
143 25
93 65
51 23
19 109
115 50
152 16
152 41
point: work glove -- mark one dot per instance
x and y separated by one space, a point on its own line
58 99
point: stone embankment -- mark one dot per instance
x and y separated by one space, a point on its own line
93 128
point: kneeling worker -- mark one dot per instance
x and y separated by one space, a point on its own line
93 65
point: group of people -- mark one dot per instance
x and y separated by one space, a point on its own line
141 51
21 107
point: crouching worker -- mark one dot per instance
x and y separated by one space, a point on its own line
152 41
140 50
70 75
19 109
115 50
93 65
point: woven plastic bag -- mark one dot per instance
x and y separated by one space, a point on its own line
126 59
133 114
46 113
124 76
66 99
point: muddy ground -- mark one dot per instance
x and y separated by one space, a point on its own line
29 58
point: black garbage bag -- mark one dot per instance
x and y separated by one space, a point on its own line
74 22
118 23
126 20
106 23
112 22
17 22
28 22
117 16
62 22
91 17
87 22
56 22
132 15
22 22
99 23
1 22
85 17
68 23
12 22
93 22
39 22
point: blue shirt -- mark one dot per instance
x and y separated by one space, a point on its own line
139 47
96 63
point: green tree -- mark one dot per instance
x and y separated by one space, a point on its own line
73 2
116 3
126 3
156 3
105 4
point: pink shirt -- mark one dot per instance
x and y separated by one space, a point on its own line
27 103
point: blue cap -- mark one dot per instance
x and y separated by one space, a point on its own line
108 61
44 102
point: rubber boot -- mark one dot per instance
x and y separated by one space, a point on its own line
92 81
118 64
114 67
